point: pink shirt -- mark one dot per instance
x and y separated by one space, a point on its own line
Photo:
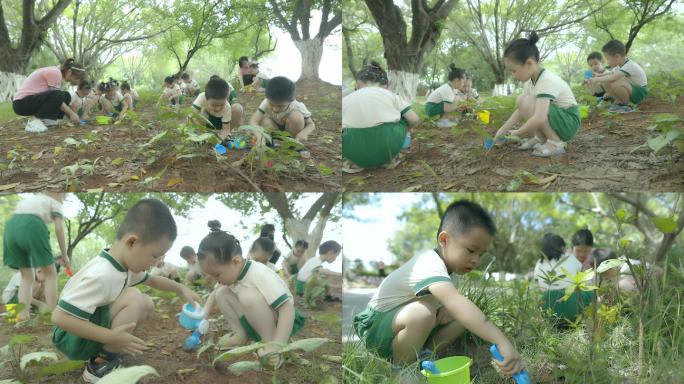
42 80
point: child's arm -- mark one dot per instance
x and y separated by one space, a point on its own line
540 117
117 340
330 273
165 284
210 304
469 315
412 119
256 117
309 127
61 239
614 76
126 105
286 315
513 120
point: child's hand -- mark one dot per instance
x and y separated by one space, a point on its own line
501 132
190 296
274 360
512 362
122 341
74 118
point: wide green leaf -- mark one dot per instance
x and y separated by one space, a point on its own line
60 368
244 366
306 345
239 351
610 264
128 375
659 142
666 225
35 358
20 339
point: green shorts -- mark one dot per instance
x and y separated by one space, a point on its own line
299 287
569 309
564 121
253 335
375 329
375 146
264 82
639 93
77 348
232 97
181 99
434 109
26 242
294 268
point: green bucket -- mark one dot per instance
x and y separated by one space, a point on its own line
453 370
584 111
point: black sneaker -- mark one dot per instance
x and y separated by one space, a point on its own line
101 365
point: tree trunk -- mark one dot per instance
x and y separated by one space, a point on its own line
311 52
404 83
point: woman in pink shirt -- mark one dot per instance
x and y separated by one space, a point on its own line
40 95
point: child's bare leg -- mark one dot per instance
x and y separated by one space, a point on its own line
50 285
25 292
294 123
526 105
235 116
132 306
87 108
230 307
411 327
620 89
76 104
107 106
450 331
258 313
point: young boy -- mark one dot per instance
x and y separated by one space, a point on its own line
165 269
190 85
194 272
281 111
262 251
260 80
627 82
595 61
172 91
295 259
213 104
328 252
11 293
26 246
99 305
417 308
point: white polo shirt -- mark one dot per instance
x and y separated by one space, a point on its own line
411 282
98 283
43 206
551 86
200 104
266 281
633 71
280 117
371 106
445 93
548 270
308 269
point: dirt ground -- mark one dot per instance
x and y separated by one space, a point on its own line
165 337
602 157
40 165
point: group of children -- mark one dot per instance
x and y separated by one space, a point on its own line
99 307
108 97
249 76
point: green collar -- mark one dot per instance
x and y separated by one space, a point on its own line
244 270
105 253
534 82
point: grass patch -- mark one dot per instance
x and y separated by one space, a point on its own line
6 112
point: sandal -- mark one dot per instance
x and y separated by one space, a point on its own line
549 149
349 167
394 162
530 143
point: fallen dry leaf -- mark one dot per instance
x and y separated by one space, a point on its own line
174 181
8 186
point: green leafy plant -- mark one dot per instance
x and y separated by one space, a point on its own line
15 355
314 290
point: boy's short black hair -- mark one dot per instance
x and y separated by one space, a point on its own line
149 219
330 245
552 246
169 79
267 230
242 59
599 255
216 89
185 76
462 215
614 47
280 89
125 86
187 251
595 56
582 237
214 77
263 243
302 243
254 65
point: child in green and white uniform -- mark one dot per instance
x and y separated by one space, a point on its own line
11 293
295 259
80 100
547 105
444 99
328 252
213 104
26 245
550 275
417 309
375 122
261 251
190 86
627 81
253 299
114 102
99 305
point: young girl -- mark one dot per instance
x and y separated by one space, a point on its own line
445 98
172 91
547 104
40 95
114 102
252 298
260 80
550 274
81 102
295 260
375 122
127 90
26 243
244 73
11 293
